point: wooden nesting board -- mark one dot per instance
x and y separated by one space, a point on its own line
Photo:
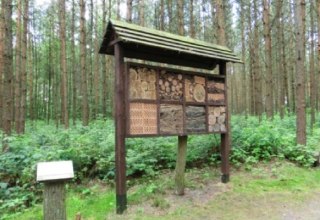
143 119
195 119
217 119
170 86
171 119
195 89
216 92
142 83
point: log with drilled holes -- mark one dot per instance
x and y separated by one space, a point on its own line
170 86
195 88
142 83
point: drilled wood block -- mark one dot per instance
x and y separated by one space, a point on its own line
171 119
218 99
214 86
195 119
142 83
195 89
143 118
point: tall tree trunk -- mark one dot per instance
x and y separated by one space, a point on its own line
96 67
2 30
118 9
192 27
24 68
84 88
74 75
300 72
104 65
17 84
180 4
220 23
63 63
162 15
129 11
170 15
256 63
141 13
313 88
268 55
318 49
243 52
6 6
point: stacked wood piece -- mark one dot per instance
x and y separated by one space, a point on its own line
170 86
216 93
143 119
195 89
217 119
171 119
142 83
195 119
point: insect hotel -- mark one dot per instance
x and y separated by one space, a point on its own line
152 100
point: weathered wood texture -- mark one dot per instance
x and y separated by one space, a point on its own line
170 86
142 83
171 119
216 92
195 119
195 89
217 119
181 164
143 118
120 130
54 201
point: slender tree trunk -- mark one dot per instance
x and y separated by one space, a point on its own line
74 75
268 55
24 68
318 49
312 68
243 52
300 72
129 11
180 4
256 63
63 63
17 84
84 88
170 15
220 22
118 9
192 27
104 66
96 67
162 15
6 6
2 30
141 13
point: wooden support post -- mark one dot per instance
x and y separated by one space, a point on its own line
225 138
54 201
181 164
120 128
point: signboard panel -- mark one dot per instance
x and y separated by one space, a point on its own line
163 101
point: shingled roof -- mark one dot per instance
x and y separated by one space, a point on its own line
149 44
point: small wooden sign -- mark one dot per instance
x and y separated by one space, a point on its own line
54 171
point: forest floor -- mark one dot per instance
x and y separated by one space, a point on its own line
273 190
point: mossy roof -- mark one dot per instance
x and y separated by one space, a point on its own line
118 31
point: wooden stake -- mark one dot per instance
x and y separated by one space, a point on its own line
120 126
54 201
225 138
181 164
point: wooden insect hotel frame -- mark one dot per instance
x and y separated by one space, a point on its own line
151 100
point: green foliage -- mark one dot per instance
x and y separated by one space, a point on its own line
92 151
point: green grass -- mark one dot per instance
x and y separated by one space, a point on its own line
263 188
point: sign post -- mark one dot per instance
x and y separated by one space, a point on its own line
53 175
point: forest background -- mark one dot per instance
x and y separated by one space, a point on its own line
52 74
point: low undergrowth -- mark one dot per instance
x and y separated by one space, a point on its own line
92 151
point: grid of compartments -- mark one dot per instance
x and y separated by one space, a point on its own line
163 102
